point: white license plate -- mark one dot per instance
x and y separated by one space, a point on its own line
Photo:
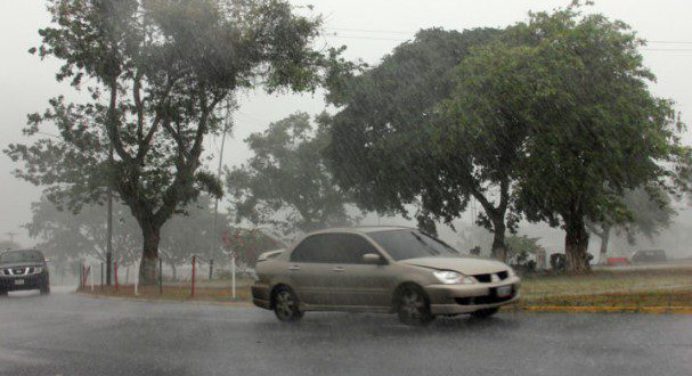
504 291
18 282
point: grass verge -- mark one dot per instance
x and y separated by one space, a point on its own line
639 291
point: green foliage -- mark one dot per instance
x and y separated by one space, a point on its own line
66 236
522 244
595 129
385 150
248 244
286 184
196 231
158 73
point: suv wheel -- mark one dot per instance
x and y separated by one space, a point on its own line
286 305
413 306
484 313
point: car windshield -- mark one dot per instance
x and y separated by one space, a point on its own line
21 256
408 244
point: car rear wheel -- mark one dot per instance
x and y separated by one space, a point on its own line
413 306
286 305
485 313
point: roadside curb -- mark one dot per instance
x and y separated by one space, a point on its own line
597 309
236 304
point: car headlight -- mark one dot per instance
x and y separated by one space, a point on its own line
449 277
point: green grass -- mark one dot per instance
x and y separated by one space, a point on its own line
630 290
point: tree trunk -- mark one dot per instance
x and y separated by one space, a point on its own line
602 258
576 243
150 254
175 271
499 249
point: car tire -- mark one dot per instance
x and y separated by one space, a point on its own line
484 313
286 305
413 306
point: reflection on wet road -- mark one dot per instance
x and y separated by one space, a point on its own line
67 334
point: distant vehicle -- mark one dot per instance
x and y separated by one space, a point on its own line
23 270
381 269
652 255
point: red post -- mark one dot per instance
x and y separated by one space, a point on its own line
115 274
194 262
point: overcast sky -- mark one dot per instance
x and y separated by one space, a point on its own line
370 29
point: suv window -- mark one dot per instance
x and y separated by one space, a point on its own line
332 249
21 256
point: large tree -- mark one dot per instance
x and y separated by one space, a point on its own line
286 184
596 129
419 130
157 72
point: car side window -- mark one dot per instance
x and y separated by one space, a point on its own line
332 249
308 250
351 248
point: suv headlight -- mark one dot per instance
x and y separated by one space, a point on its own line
449 277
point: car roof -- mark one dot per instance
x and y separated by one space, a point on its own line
361 229
21 250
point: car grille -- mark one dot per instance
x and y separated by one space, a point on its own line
17 271
487 278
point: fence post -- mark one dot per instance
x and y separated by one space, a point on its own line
101 276
194 259
160 276
233 274
115 274
211 268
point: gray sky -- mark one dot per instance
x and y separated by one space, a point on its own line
370 29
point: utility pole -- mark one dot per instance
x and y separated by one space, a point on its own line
109 220
227 126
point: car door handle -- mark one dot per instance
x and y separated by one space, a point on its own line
338 269
294 267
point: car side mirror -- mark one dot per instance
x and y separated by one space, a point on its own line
373 258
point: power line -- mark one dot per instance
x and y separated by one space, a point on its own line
382 31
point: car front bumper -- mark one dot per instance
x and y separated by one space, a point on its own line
27 282
457 299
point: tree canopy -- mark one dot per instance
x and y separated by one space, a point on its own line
286 184
158 73
595 128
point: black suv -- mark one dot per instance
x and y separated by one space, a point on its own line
23 270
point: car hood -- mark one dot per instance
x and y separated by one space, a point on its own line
464 265
20 265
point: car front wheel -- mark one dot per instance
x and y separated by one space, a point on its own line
413 306
286 305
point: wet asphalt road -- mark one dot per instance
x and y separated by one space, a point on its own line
67 334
